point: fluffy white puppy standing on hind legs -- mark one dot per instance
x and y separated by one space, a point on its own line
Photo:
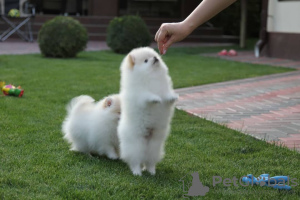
91 127
147 109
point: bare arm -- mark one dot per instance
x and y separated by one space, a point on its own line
169 33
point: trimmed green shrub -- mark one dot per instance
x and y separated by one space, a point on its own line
127 32
62 37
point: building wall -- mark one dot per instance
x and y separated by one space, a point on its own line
103 7
284 16
282 36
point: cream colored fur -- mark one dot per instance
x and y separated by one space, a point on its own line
91 127
147 108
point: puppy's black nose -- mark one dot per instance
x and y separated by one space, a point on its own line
155 59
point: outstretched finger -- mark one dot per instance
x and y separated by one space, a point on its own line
157 33
160 42
162 37
160 45
167 44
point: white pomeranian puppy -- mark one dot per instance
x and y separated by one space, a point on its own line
91 127
147 108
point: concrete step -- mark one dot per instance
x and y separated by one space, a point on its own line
82 19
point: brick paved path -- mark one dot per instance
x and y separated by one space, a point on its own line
265 107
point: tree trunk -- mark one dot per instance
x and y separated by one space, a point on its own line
243 26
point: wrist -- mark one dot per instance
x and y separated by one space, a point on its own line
188 26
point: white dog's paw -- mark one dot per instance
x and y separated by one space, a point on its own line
76 149
150 167
171 98
151 170
154 99
112 155
137 173
73 149
136 170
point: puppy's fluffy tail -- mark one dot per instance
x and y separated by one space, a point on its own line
75 105
78 101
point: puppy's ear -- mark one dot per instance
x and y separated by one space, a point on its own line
108 102
131 61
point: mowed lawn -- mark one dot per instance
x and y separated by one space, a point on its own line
35 162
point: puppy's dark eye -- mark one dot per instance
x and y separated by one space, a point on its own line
146 60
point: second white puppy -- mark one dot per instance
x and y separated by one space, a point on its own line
91 127
147 108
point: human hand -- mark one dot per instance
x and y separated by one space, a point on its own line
169 33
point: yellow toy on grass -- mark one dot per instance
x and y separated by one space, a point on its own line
11 90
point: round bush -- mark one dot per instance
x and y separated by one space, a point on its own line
127 32
62 37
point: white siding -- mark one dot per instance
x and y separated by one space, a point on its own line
284 16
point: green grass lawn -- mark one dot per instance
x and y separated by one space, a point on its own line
35 162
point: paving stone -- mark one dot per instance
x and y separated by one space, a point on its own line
287 130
